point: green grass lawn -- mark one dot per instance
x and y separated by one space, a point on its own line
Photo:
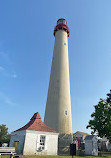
66 156
59 156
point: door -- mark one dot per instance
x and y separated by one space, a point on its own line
16 143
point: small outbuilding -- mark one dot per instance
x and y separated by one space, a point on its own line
91 146
80 136
35 138
104 144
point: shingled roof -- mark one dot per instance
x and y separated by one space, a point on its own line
82 133
36 124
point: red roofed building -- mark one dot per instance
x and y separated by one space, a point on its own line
81 136
35 138
36 124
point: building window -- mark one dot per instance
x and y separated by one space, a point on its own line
42 142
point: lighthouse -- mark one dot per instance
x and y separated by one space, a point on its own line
58 105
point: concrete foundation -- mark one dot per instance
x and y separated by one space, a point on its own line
64 142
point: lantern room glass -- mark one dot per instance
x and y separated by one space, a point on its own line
62 21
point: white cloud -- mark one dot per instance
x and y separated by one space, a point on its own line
1 68
14 76
4 98
4 56
8 101
7 74
8 71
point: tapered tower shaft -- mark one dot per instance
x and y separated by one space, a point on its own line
58 106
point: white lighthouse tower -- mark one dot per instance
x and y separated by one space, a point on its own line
58 106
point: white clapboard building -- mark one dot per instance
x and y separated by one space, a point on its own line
35 138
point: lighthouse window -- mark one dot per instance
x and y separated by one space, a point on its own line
62 21
65 112
64 43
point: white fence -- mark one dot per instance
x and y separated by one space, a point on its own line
7 150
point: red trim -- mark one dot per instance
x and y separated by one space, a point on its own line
61 26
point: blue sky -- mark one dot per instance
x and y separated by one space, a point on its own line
26 49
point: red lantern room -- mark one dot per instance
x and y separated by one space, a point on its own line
61 25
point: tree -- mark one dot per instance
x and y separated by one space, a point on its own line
101 119
109 97
4 135
74 137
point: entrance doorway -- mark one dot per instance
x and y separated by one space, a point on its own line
15 144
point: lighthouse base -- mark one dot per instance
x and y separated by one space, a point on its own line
64 142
